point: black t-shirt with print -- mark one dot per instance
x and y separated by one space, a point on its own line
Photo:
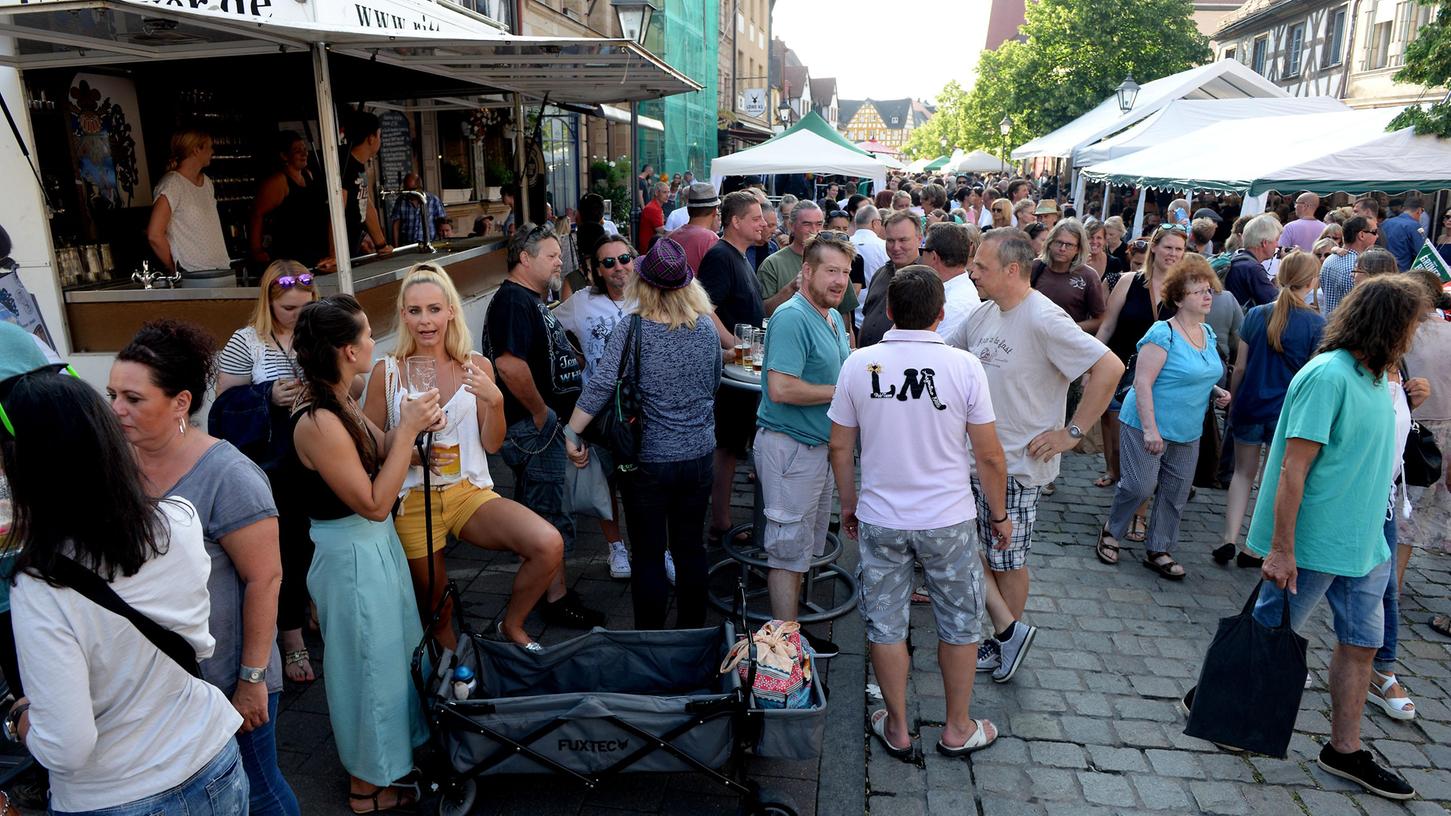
355 201
519 323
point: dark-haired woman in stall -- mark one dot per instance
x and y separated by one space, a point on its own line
156 387
120 724
350 473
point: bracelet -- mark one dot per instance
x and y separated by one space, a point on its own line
998 521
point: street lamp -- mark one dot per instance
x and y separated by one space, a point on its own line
1005 127
784 112
1127 92
634 17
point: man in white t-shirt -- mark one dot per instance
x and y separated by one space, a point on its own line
946 250
591 314
912 397
1031 350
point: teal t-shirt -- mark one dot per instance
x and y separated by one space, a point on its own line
1181 391
800 342
1341 526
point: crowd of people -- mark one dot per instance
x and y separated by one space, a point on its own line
926 365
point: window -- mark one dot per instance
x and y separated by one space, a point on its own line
1405 13
1380 46
1335 42
1257 61
1231 53
1294 47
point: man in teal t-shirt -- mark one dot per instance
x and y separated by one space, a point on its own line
1321 513
806 343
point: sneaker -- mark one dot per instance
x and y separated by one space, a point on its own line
619 560
1359 767
989 655
821 646
1013 650
571 612
669 568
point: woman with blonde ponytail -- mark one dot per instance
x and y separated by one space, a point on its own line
1276 340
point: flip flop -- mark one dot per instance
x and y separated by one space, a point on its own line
878 722
1104 481
978 741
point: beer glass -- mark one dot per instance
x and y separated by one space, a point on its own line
743 342
758 349
422 375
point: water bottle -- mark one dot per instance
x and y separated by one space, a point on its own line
464 683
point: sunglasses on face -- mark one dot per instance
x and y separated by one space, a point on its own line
289 281
5 418
622 260
1371 232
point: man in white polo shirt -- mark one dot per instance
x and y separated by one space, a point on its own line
1031 350
912 397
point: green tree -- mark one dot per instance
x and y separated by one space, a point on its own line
1428 63
1073 54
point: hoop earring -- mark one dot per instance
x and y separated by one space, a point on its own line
181 427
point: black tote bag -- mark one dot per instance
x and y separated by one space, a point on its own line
1250 685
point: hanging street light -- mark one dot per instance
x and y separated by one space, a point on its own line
635 17
1127 92
1005 127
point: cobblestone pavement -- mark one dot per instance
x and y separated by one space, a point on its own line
1089 724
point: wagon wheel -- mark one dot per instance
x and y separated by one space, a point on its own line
763 802
458 800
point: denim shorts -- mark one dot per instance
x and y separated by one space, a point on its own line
1356 604
1253 434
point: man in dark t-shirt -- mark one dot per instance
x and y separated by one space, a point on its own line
365 229
540 375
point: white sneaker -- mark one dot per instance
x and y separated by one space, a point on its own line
989 655
1013 650
619 560
669 568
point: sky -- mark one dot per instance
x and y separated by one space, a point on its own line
884 49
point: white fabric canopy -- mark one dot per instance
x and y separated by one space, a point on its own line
1345 151
1183 116
978 161
1225 79
800 150
919 165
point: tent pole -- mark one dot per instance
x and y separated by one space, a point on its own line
1103 211
331 167
1139 213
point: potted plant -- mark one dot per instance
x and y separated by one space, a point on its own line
457 186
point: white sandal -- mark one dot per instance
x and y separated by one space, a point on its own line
1397 708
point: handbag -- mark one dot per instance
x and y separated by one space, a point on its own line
1422 462
619 426
69 573
1250 685
783 668
589 490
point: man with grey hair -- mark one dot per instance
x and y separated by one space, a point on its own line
947 250
780 273
867 238
652 217
1063 274
758 252
1247 278
1306 228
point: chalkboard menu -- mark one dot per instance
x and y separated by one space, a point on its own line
395 157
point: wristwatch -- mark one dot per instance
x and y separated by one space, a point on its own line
12 722
1075 431
248 674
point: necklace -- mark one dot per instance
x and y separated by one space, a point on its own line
287 352
1184 329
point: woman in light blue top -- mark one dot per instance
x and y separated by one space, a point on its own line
1163 417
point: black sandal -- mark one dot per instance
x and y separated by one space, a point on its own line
1165 566
1107 553
402 799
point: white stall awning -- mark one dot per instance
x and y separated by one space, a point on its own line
1183 116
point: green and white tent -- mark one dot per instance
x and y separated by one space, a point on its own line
809 146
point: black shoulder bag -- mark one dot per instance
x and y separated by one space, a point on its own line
1422 460
71 574
619 426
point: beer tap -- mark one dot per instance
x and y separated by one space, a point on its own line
145 277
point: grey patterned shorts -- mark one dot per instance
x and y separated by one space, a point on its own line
954 580
1023 511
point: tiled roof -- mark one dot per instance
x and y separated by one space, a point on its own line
894 112
822 89
846 109
1250 10
796 77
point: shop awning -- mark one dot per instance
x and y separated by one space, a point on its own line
433 37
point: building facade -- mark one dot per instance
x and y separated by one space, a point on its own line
743 88
889 121
1382 29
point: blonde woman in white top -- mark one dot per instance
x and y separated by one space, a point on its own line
463 502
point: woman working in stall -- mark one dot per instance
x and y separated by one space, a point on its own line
289 216
185 230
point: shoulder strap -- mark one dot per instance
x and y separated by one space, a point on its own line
390 391
1038 267
636 332
69 573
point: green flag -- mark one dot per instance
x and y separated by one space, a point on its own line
1428 258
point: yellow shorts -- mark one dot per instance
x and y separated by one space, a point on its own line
452 508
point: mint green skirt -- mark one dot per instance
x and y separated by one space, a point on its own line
365 605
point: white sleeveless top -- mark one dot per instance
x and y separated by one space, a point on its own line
462 427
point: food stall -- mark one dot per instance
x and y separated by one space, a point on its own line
97 87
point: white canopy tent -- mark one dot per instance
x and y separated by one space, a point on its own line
1225 79
807 147
1342 151
918 166
1183 116
978 161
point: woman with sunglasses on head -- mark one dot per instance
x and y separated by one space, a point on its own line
120 724
349 474
259 356
156 387
463 501
1177 365
591 315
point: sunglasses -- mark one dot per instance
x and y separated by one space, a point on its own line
1371 232
609 263
833 235
289 281
5 418
1179 228
838 214
1139 246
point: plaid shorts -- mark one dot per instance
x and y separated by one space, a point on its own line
1022 511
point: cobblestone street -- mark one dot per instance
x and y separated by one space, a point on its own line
1089 724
